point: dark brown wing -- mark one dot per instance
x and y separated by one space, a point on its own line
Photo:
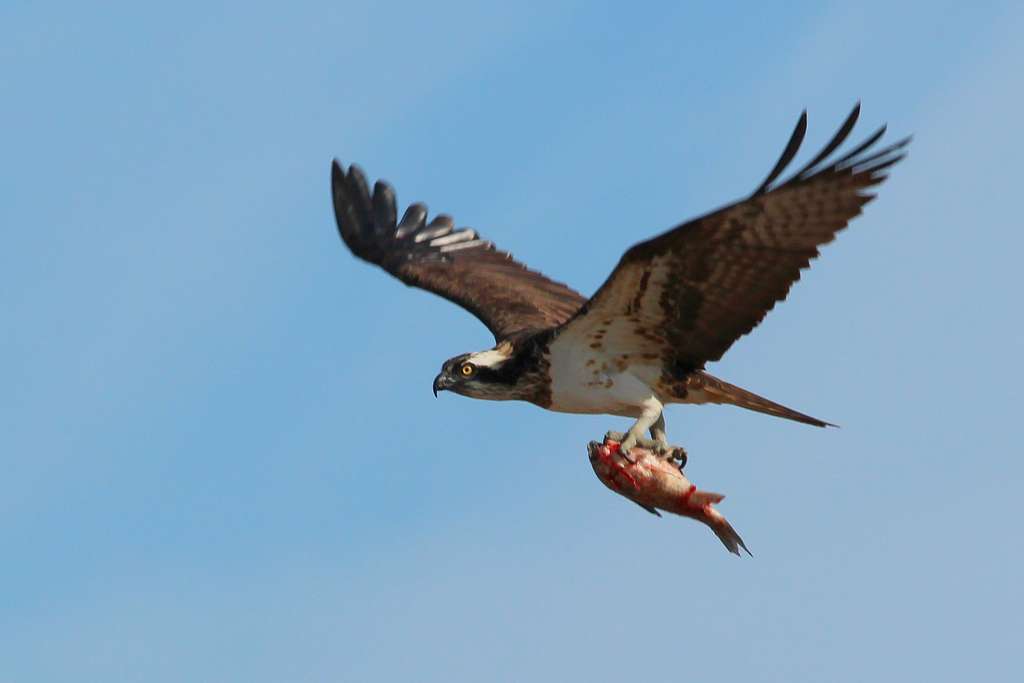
504 294
690 293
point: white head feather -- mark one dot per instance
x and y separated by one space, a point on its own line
492 358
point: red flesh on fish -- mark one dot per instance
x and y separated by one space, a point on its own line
655 482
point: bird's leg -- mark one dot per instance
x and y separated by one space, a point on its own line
662 447
649 444
659 435
619 437
649 416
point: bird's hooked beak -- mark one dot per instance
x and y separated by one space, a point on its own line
441 383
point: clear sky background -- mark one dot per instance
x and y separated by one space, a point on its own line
220 456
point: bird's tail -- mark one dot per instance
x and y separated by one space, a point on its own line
714 390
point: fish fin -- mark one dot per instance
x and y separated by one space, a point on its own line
702 498
650 509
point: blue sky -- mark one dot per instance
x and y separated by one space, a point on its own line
221 457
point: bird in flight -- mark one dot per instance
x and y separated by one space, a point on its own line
672 304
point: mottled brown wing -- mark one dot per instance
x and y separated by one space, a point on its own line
688 294
458 265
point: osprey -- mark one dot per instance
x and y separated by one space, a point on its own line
671 305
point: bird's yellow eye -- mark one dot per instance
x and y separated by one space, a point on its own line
467 369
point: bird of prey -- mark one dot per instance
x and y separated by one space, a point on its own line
672 304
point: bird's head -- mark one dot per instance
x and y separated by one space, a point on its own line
485 374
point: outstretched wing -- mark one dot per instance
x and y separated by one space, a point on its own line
688 294
458 265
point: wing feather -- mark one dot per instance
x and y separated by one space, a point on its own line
792 147
691 292
505 295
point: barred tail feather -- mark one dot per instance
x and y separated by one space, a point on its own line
713 390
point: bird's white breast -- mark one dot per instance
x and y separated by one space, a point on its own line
593 381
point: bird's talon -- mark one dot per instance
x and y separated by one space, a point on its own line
617 437
679 455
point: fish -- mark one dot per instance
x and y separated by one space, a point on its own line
655 483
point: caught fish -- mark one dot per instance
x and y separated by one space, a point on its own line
657 483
